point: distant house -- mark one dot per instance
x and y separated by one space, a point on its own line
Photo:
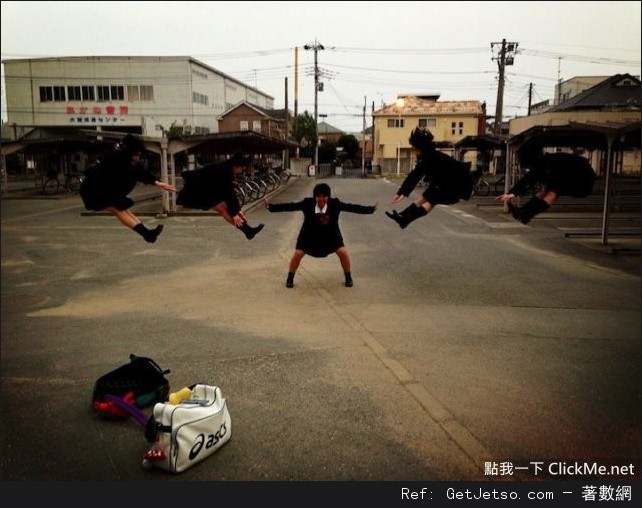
614 99
448 121
620 92
575 86
540 107
328 133
566 90
365 143
248 117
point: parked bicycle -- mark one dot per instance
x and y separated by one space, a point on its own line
53 185
481 187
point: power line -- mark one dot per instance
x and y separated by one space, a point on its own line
580 58
368 75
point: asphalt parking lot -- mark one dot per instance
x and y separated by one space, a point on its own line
446 354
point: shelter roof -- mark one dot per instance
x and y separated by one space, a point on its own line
91 141
481 142
249 142
589 135
52 140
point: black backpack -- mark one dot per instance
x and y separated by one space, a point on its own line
141 376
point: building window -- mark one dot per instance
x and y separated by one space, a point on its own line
461 127
244 125
117 93
88 93
453 128
427 122
73 93
103 93
59 93
132 93
146 93
46 94
256 125
52 94
397 123
137 93
199 98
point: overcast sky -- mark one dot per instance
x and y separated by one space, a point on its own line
372 51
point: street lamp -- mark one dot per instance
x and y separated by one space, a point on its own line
399 104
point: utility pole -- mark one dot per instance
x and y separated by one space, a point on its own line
559 81
296 82
296 94
506 57
363 146
286 152
530 98
372 159
317 88
164 145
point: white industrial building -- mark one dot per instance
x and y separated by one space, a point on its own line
141 94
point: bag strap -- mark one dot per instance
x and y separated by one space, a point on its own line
133 358
153 428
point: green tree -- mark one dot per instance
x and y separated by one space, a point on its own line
327 152
350 146
304 131
176 131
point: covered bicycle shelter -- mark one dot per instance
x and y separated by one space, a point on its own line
61 145
222 143
611 138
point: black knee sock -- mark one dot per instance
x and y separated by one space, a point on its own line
514 211
534 207
149 235
405 211
249 231
154 233
408 215
290 280
408 210
141 229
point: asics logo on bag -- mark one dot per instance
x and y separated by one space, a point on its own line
201 441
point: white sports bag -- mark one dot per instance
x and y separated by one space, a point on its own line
189 432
